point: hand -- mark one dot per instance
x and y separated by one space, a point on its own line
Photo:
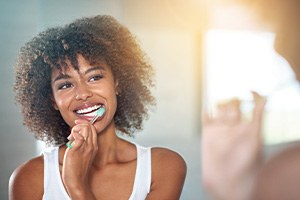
231 149
78 159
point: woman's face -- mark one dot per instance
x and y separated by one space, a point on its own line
78 94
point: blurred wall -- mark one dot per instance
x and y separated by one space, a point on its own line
171 34
18 23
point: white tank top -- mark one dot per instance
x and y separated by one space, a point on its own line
54 188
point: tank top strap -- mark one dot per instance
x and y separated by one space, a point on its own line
142 182
53 186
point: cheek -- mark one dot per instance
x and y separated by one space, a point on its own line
59 102
113 98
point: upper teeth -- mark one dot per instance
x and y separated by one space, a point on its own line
87 110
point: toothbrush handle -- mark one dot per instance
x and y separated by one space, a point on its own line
69 144
94 119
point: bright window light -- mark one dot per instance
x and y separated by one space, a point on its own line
237 62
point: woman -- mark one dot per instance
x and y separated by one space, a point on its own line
64 75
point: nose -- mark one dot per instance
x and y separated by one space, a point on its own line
82 92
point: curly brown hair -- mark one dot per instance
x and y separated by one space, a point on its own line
95 38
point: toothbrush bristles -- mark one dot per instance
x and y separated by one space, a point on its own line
99 113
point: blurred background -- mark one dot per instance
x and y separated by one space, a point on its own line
203 51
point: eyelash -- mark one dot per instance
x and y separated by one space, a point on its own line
96 77
68 85
64 86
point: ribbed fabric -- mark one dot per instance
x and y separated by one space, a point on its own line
142 181
54 188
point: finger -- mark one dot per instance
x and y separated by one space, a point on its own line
259 105
82 129
78 127
220 112
85 132
78 141
88 131
81 121
78 121
70 137
94 137
206 118
233 111
229 111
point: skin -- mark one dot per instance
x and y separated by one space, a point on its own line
278 178
99 165
231 149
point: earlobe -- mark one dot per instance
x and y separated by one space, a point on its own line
117 87
54 104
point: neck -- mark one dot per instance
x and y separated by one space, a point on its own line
108 146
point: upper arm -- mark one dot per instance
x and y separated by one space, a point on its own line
26 182
168 174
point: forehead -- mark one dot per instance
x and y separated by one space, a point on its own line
83 66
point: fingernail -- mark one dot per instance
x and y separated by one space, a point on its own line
69 137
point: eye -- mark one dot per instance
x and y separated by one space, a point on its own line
96 77
64 86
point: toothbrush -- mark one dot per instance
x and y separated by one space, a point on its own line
99 113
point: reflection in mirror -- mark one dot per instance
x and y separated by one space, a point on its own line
243 54
246 61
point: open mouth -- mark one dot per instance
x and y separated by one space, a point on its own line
89 112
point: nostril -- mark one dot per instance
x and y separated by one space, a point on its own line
83 95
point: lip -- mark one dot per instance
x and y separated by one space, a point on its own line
100 118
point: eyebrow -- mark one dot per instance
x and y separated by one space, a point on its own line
66 76
94 68
61 76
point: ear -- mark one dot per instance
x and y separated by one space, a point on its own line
54 103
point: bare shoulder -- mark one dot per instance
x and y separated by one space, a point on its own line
168 174
279 178
26 182
287 157
163 157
